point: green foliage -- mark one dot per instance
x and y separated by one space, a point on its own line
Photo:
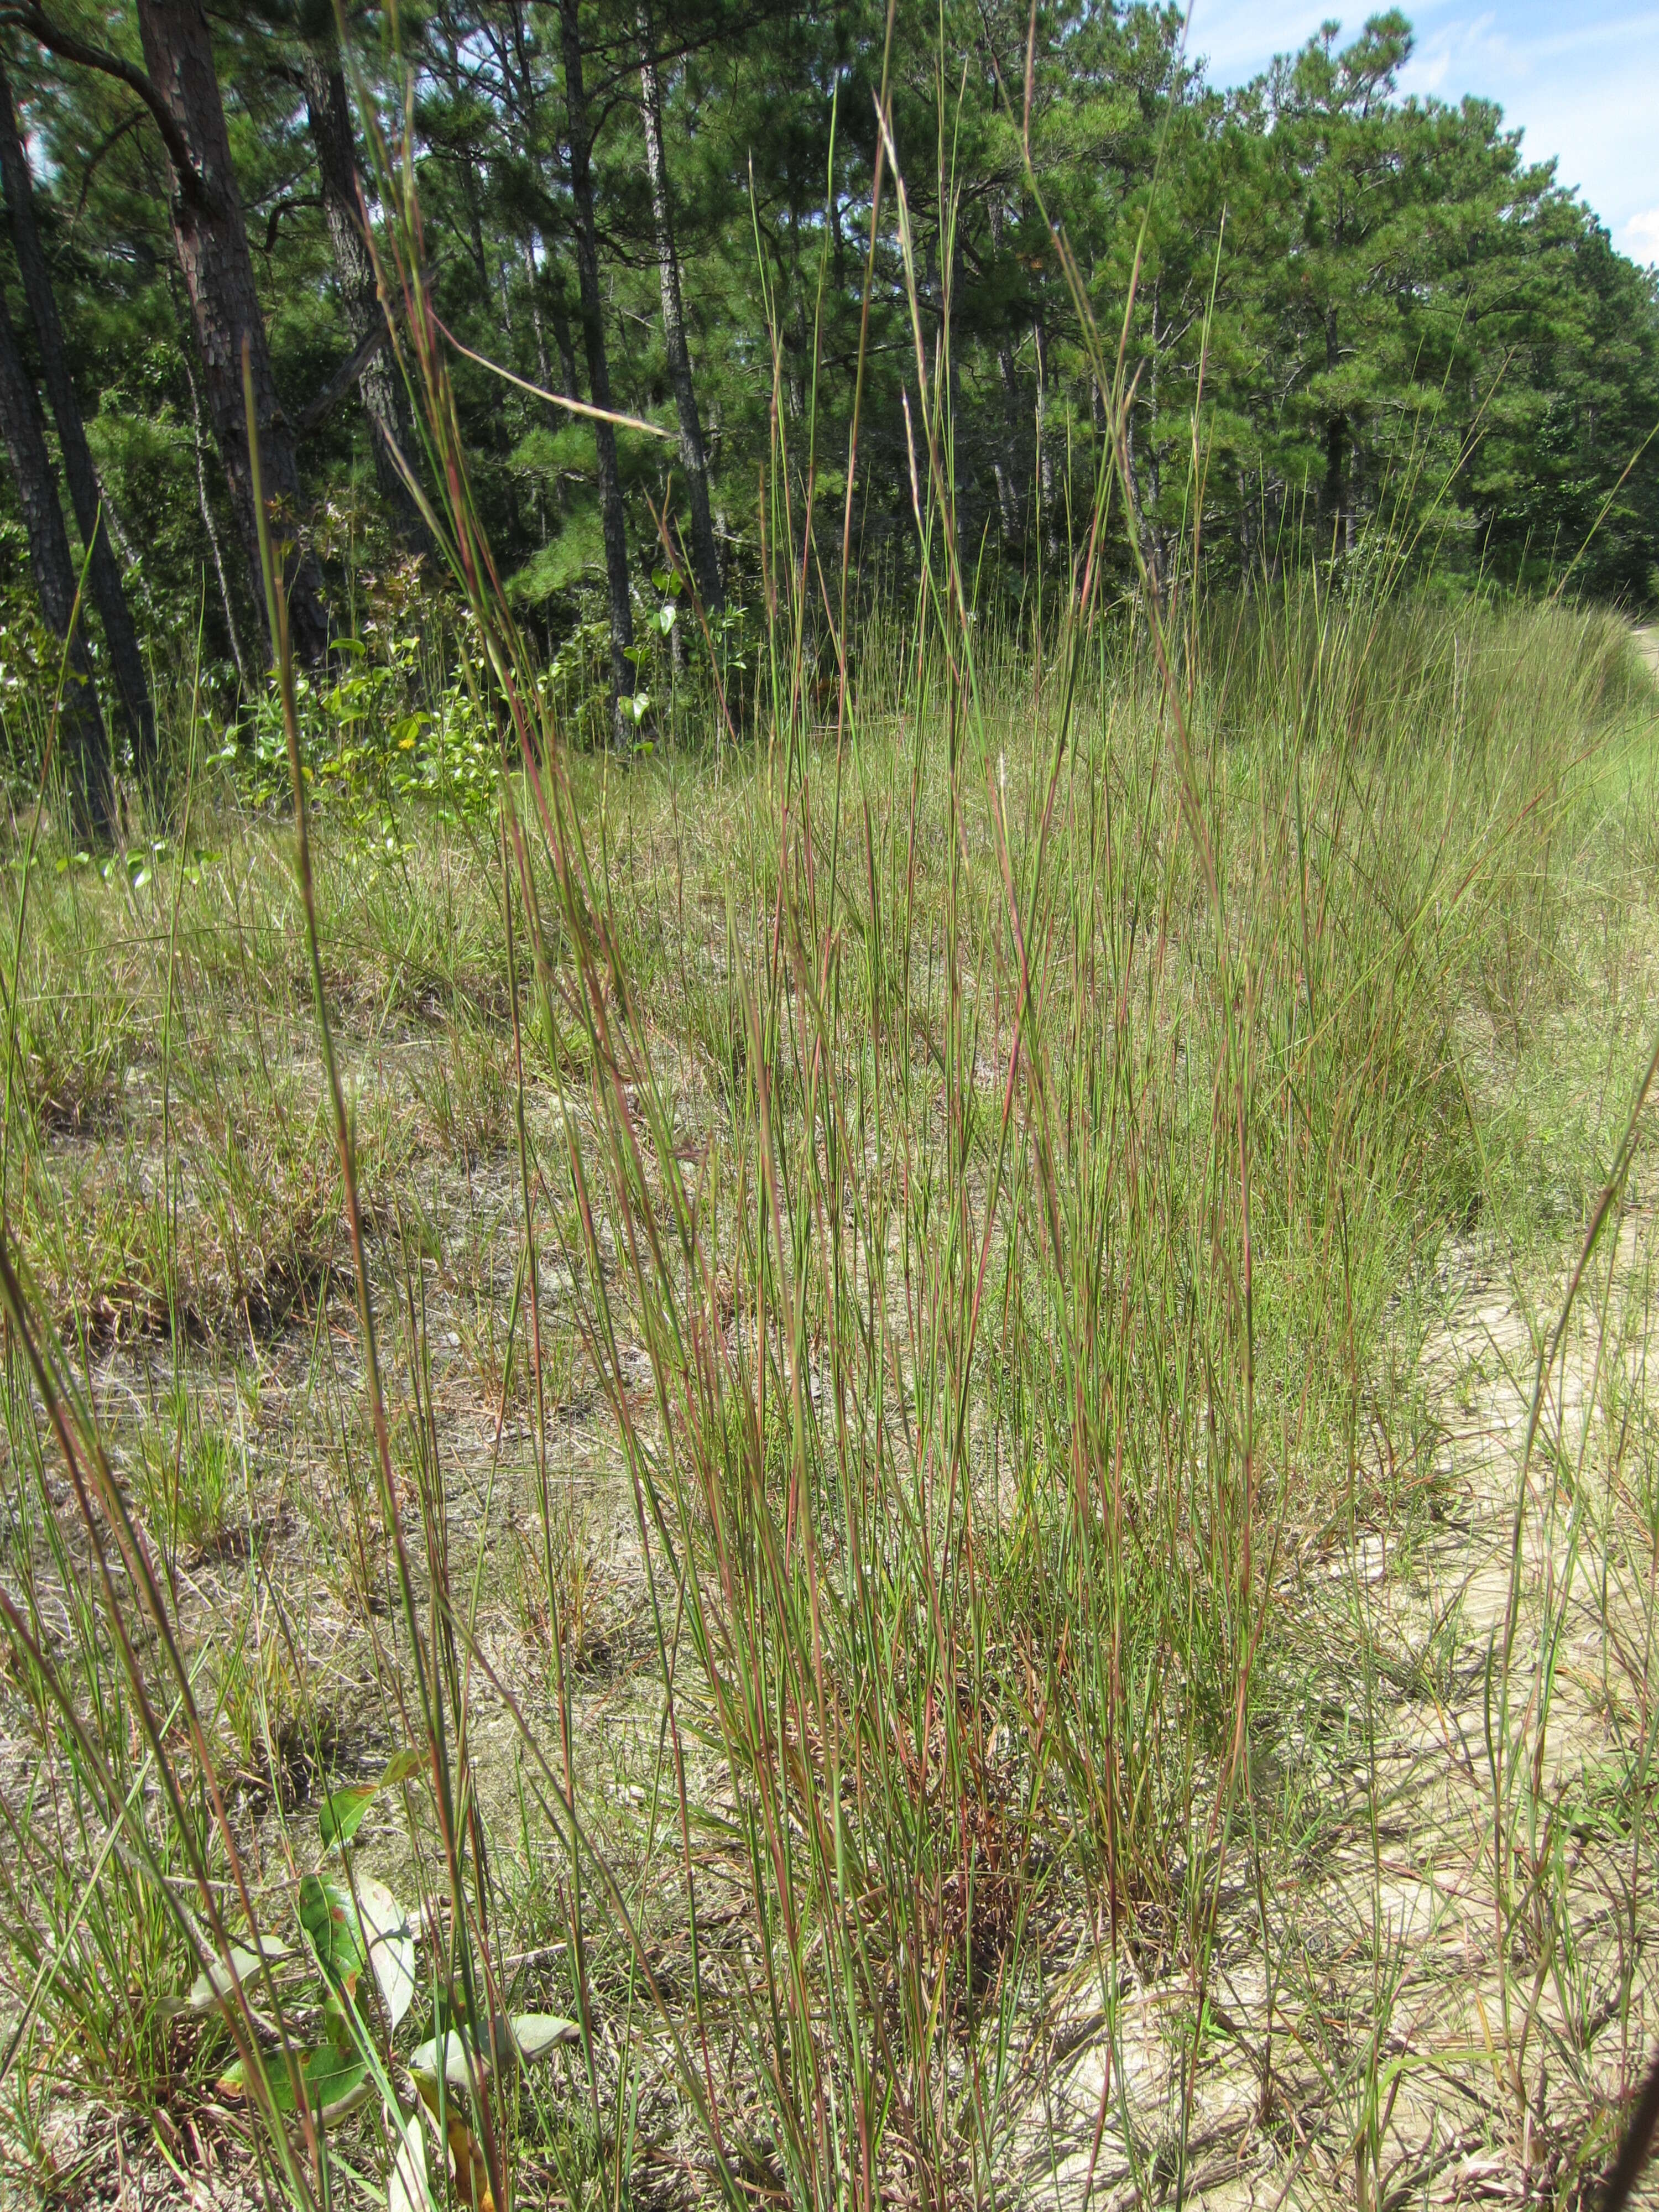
358 1939
378 733
1362 308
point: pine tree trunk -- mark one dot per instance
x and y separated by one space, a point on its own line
533 276
474 217
204 508
561 323
567 377
84 747
328 113
1006 465
537 321
1330 499
126 661
211 239
693 455
1333 527
1047 492
598 370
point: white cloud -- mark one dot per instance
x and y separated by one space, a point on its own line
1239 37
1640 236
1582 83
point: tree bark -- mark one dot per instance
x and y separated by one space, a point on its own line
211 238
693 456
204 508
1332 521
126 661
561 323
1330 498
598 369
85 748
1006 463
1047 492
537 324
328 116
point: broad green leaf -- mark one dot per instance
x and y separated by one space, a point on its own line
337 2081
326 1915
343 1813
233 2082
388 1945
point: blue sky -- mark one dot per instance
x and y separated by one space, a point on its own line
1582 80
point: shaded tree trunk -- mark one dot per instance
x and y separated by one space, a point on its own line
693 454
204 508
533 276
81 730
555 314
537 321
1333 520
940 281
328 115
1048 491
1334 530
126 661
1155 537
562 339
211 238
599 368
1005 464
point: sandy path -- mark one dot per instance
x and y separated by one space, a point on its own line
1389 1974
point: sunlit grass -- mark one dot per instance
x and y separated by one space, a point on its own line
881 1395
